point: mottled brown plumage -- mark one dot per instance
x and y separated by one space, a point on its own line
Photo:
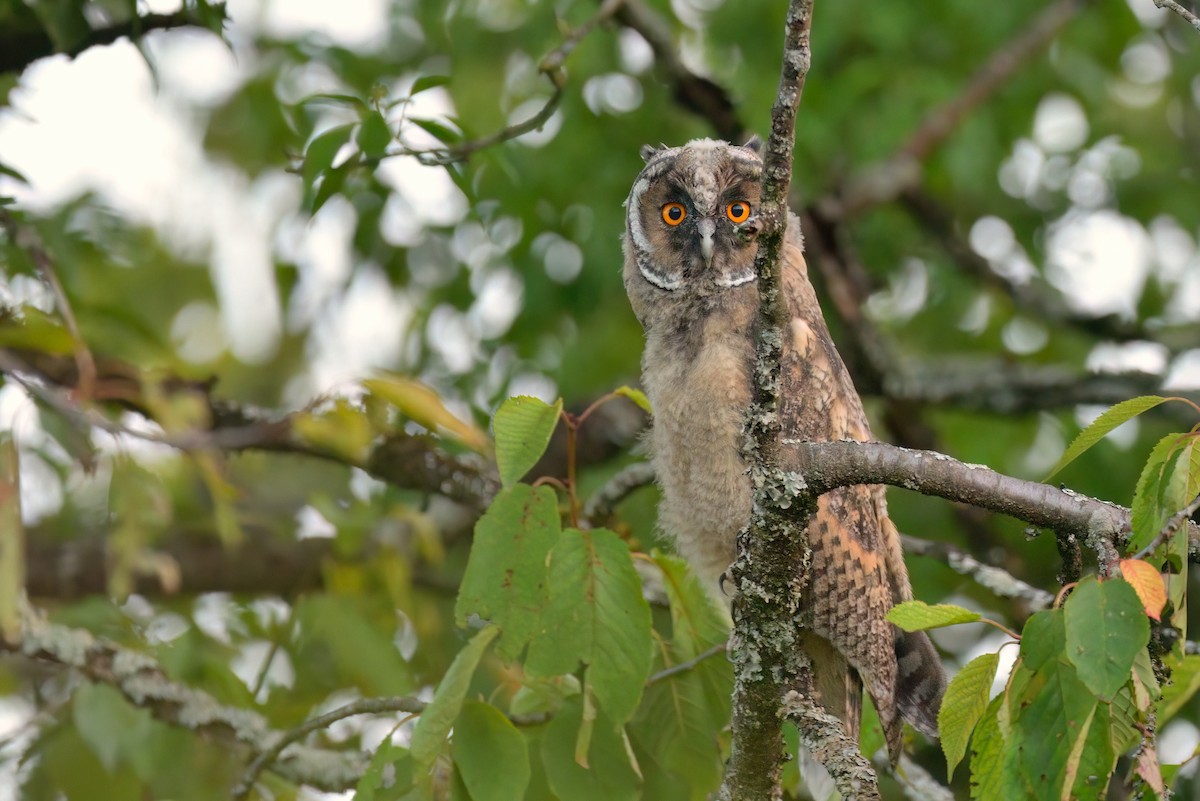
698 303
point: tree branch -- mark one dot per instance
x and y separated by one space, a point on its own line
1190 16
1101 525
884 181
939 222
999 582
402 460
143 683
695 93
20 46
770 571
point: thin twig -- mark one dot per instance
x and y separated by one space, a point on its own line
691 664
362 706
1169 530
991 77
551 66
604 501
1190 16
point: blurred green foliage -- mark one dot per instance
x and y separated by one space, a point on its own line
499 274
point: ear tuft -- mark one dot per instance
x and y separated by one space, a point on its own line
650 151
754 144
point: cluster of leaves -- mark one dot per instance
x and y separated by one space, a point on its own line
580 717
1085 687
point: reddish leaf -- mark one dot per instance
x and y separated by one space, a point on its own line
1147 583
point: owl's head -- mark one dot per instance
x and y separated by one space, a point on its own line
691 219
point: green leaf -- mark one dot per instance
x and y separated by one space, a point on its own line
331 183
421 404
918 615
339 99
679 721
390 775
1056 710
322 150
637 396
374 135
697 624
428 82
490 754
1102 425
993 768
443 133
595 613
1184 684
1165 487
1043 638
105 721
342 429
505 580
1105 627
963 705
340 633
609 776
438 717
523 426
12 172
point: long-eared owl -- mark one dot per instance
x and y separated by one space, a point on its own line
690 243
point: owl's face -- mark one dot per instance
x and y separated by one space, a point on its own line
691 219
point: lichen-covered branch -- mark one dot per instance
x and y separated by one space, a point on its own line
825 737
143 683
1102 526
1188 15
999 582
770 570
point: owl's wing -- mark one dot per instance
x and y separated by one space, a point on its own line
858 570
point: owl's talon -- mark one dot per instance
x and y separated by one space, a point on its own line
721 579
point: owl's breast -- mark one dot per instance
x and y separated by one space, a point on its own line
700 388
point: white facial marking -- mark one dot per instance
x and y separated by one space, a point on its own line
737 279
659 280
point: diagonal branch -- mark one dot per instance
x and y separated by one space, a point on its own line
20 46
1188 15
884 181
144 684
695 93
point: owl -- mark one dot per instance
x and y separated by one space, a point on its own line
690 242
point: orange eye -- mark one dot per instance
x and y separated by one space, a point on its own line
673 213
738 211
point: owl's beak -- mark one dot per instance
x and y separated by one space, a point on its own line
706 228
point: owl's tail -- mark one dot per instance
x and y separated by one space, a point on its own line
920 681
